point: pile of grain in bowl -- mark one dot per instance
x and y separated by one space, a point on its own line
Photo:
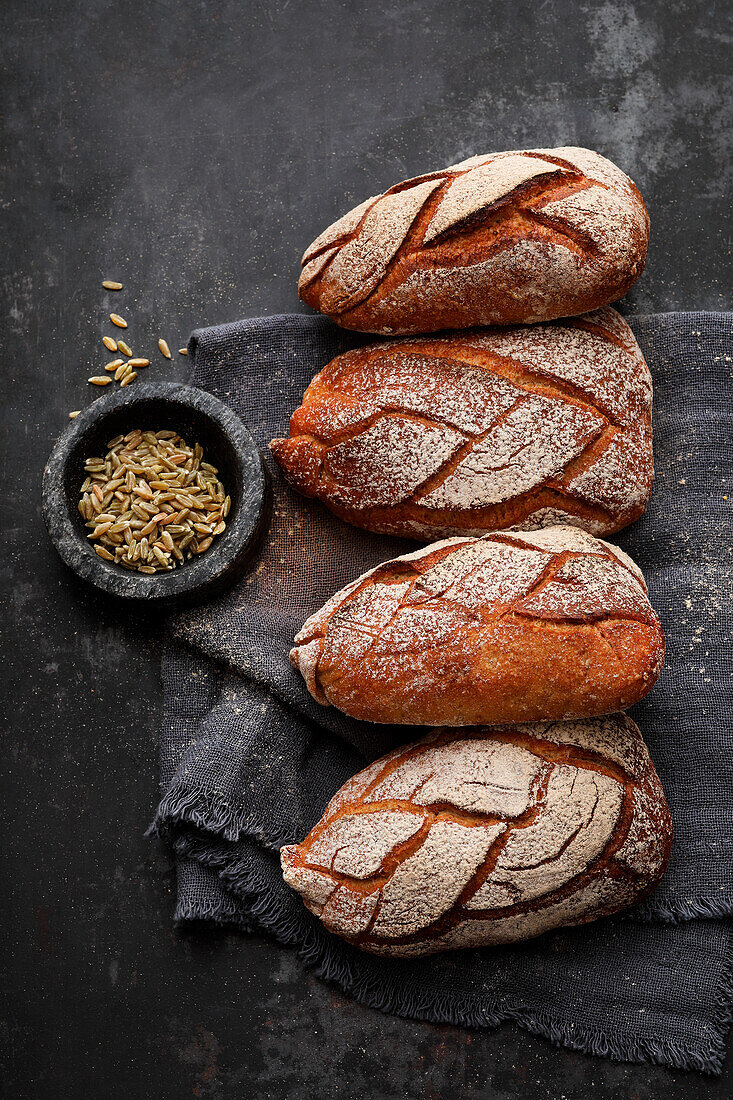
152 502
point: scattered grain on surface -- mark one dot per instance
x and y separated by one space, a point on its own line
124 348
110 284
109 343
117 320
73 415
164 349
139 363
129 377
99 380
183 351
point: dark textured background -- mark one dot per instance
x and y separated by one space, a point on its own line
192 150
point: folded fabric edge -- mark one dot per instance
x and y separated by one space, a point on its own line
181 806
181 635
218 334
317 954
310 318
207 339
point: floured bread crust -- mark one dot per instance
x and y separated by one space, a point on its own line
504 238
487 836
511 627
480 430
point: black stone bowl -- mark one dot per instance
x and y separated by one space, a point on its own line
199 418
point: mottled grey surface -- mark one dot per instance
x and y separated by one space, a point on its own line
193 151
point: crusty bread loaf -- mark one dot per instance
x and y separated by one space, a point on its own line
486 836
512 627
498 239
480 430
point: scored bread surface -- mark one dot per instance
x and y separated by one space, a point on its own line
479 430
503 238
513 626
486 836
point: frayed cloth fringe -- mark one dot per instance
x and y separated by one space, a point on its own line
685 909
216 913
316 953
181 806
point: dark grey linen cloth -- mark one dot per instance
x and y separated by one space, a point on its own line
248 760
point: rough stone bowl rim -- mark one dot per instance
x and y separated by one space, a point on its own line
198 577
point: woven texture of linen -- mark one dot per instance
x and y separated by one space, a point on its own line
249 760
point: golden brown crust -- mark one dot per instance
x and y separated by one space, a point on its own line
485 836
480 430
511 627
505 238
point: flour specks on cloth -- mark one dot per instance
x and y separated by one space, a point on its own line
249 759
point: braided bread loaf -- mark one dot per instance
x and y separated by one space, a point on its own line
498 239
481 430
487 836
512 627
